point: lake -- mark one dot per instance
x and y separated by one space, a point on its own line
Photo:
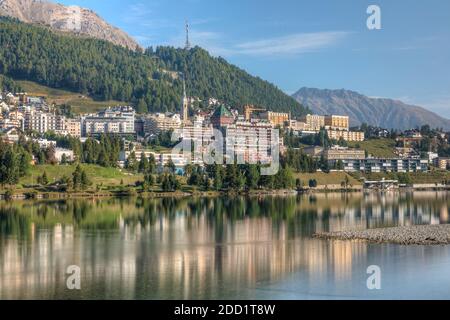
219 248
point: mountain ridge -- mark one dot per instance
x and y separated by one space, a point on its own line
73 19
146 79
382 112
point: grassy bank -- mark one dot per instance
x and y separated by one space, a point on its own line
78 102
111 182
323 179
380 148
97 174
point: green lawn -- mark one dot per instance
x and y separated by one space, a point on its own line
381 148
335 178
97 174
79 103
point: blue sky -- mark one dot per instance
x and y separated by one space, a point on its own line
296 43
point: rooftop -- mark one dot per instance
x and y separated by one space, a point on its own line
222 111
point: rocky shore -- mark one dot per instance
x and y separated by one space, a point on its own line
406 235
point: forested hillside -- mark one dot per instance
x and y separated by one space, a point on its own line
7 84
215 77
106 72
88 66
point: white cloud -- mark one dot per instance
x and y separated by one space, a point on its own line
138 10
292 44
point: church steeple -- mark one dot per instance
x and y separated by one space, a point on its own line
185 104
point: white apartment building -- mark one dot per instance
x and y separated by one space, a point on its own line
375 165
250 142
159 122
117 120
42 122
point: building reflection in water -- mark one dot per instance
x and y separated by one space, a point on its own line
192 248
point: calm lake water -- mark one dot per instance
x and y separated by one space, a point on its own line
224 248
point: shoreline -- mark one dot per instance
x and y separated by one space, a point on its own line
427 235
39 195
35 194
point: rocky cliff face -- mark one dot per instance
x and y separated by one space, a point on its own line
386 113
72 19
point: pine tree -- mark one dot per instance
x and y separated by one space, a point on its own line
76 178
152 164
171 166
253 175
143 164
132 163
141 106
218 177
84 180
44 179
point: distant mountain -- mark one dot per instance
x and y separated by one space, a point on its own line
386 113
66 18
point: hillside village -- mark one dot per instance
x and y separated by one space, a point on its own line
307 144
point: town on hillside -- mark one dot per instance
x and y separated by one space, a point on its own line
119 137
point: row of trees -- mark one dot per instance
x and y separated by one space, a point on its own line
319 139
8 85
237 177
14 163
78 181
104 151
144 165
41 155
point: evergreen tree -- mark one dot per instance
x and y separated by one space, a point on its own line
143 164
84 180
152 164
298 184
9 166
170 182
218 177
231 176
149 181
14 163
170 166
253 175
131 163
64 159
43 179
76 178
141 106
24 163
